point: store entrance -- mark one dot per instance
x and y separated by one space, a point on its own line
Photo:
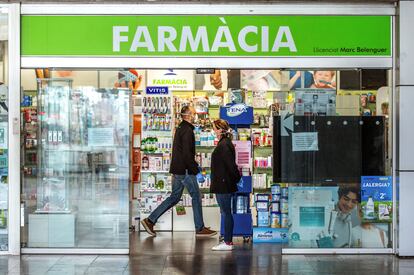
96 150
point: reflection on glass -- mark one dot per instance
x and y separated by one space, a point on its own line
332 150
81 192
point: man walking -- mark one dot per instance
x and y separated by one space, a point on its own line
184 169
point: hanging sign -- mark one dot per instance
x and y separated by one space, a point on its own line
237 114
181 80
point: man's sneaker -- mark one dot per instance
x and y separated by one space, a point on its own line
223 247
149 226
205 232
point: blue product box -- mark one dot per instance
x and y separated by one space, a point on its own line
263 197
270 235
262 206
263 219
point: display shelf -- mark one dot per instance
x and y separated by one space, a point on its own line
28 108
263 168
156 129
152 171
202 191
166 133
205 149
155 153
259 190
155 191
257 126
205 190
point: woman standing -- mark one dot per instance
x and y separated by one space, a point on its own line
224 178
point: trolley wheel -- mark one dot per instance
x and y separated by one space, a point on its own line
221 238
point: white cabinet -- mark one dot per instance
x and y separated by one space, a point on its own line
51 230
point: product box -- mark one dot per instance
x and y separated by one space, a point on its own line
263 219
376 198
270 235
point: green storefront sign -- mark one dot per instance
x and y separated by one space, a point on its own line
206 36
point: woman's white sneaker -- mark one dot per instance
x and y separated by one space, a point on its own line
223 247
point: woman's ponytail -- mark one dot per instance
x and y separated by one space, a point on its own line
224 127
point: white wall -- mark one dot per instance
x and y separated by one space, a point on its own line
405 92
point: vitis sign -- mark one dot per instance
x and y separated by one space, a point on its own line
153 90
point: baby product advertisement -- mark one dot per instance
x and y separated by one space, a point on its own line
376 198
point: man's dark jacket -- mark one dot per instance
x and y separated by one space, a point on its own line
183 154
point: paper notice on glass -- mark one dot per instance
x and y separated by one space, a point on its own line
305 141
100 136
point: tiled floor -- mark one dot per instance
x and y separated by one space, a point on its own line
181 253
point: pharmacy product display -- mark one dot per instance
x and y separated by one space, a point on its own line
205 139
155 151
240 117
29 138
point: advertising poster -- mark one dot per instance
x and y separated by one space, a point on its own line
315 102
312 79
300 79
331 217
376 198
80 78
261 80
243 153
132 79
270 235
178 80
216 81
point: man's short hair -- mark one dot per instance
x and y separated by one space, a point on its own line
185 110
345 190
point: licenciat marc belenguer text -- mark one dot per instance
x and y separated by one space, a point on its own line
350 50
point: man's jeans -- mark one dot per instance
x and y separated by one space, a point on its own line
178 184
